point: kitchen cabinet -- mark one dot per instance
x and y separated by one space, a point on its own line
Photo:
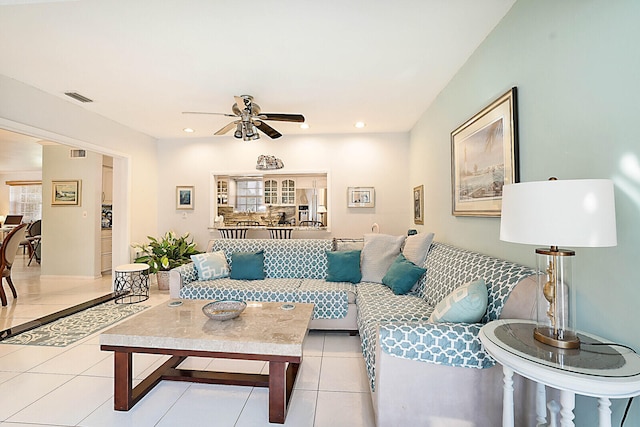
287 191
107 185
223 192
105 250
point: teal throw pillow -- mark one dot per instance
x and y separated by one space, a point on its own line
343 266
466 304
211 265
247 265
402 275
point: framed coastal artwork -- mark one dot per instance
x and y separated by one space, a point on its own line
484 157
66 193
184 197
418 205
361 197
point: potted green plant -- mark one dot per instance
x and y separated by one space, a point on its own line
165 253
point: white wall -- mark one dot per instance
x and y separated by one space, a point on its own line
32 112
377 160
577 96
74 229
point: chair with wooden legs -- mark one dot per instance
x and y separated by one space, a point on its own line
7 255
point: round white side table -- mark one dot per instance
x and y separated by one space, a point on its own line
600 371
131 283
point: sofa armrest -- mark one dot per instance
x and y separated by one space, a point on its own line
181 276
450 344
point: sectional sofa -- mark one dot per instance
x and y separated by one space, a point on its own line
423 370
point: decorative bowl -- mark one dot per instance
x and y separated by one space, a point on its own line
224 310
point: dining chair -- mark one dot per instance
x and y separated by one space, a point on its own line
7 256
279 232
233 233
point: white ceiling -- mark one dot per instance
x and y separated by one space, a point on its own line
143 62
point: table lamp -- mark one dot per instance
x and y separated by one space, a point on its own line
555 213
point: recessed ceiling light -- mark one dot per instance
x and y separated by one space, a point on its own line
359 125
188 130
304 126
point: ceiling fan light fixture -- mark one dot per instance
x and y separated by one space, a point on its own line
304 126
188 130
238 133
360 125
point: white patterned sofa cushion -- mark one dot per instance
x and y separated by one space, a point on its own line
449 267
377 304
269 290
451 344
299 258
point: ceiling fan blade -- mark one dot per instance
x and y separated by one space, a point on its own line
227 128
268 130
214 114
298 118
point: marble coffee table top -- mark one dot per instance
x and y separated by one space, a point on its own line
263 328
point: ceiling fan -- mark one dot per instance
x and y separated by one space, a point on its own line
250 119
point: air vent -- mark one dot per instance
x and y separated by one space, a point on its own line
78 154
78 97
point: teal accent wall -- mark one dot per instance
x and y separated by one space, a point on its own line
576 64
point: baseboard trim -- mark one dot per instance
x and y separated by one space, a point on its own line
55 276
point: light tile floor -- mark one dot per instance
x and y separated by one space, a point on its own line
73 386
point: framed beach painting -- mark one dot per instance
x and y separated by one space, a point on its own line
484 157
184 197
66 193
361 197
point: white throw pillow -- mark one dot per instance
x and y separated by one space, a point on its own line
378 253
416 247
211 265
466 304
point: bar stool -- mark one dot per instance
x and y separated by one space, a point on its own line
233 233
279 232
131 283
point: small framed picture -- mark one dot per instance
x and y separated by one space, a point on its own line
418 205
66 193
184 197
361 197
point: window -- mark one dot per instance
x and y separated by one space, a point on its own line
26 200
249 197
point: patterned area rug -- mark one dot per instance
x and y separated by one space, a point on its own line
72 328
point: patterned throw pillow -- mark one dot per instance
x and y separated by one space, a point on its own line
466 304
211 265
247 265
378 253
343 266
402 275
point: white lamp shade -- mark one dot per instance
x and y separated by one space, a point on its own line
573 213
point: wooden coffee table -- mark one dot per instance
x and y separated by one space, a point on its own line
264 331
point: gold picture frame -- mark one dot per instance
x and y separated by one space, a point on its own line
66 193
418 205
484 157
